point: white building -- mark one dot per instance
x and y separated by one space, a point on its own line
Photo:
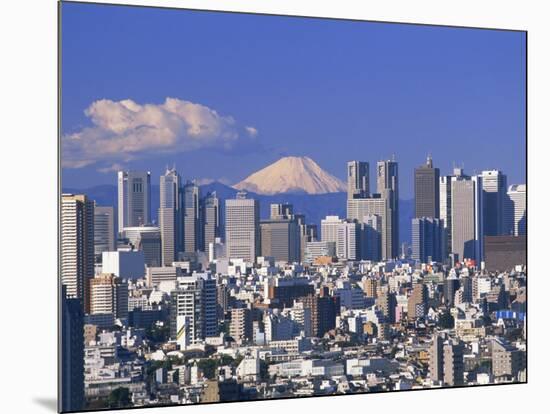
242 228
516 213
134 199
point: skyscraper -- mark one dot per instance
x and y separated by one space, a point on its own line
358 179
71 354
427 241
387 178
170 220
426 190
211 219
191 217
242 228
436 358
195 303
104 230
371 241
516 213
467 217
494 202
77 245
109 294
134 199
280 239
379 205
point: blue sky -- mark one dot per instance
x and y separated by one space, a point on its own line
249 89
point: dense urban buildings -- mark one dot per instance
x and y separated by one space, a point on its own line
217 302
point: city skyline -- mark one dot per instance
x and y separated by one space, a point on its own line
414 89
260 207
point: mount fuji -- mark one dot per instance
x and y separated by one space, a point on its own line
291 175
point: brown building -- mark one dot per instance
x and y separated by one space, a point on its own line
503 253
324 310
416 305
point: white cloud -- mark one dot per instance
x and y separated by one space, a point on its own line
124 130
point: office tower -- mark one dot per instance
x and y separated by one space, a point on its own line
453 363
134 199
194 302
387 184
170 216
467 288
280 239
242 228
223 297
436 358
157 275
345 234
358 179
416 305
494 201
104 230
467 218
240 327
211 219
307 232
147 239
371 242
191 218
77 245
426 190
379 205
281 211
387 303
516 213
450 286
427 240
316 249
71 354
348 241
109 294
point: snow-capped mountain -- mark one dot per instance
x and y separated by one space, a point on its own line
292 175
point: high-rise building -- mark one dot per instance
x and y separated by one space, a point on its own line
453 363
345 234
358 179
467 218
242 228
324 310
77 245
387 183
308 233
387 303
195 303
281 211
436 358
147 239
240 327
316 249
507 360
379 205
192 232
71 354
416 305
371 242
450 286
280 239
170 216
515 211
134 199
426 190
211 219
427 239
494 202
104 230
109 294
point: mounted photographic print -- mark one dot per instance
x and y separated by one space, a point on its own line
257 207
